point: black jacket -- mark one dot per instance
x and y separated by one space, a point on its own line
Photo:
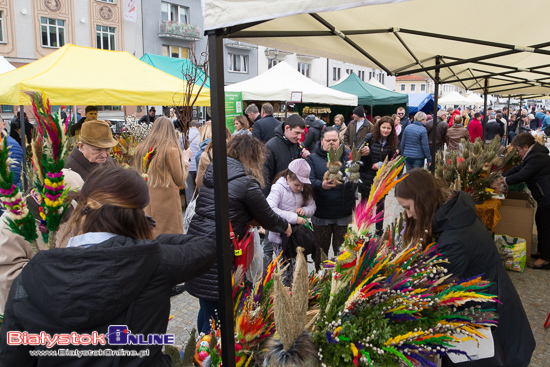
469 247
378 153
280 153
337 202
493 129
313 134
534 170
15 130
440 131
264 128
77 127
246 203
87 289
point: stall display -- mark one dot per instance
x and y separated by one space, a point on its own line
474 167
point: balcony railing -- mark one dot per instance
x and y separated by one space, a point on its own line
179 30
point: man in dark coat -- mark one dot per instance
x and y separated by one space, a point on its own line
357 130
403 121
264 128
440 131
313 134
253 113
283 148
15 129
149 118
91 115
96 141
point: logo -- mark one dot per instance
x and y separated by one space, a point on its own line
120 335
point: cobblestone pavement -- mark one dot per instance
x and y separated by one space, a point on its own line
533 287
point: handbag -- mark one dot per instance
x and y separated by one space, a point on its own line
243 247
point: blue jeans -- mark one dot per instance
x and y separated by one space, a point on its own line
411 163
207 312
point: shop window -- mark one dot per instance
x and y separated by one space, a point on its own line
238 63
106 37
7 109
53 32
304 68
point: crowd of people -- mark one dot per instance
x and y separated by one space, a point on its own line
127 225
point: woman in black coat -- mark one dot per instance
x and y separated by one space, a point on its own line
112 273
449 218
247 203
334 202
534 170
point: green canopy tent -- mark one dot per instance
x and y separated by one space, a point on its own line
174 66
381 101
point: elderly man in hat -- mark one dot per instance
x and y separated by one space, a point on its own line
91 115
95 143
357 130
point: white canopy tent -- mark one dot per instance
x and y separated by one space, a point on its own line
376 83
474 99
278 83
453 98
5 65
476 55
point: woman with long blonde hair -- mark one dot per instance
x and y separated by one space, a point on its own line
167 173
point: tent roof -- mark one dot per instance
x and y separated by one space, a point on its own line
399 43
421 102
452 98
277 84
376 83
5 65
174 66
368 94
474 99
89 76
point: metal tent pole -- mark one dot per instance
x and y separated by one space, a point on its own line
507 118
24 183
485 117
434 116
225 257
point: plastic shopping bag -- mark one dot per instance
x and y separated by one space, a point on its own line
513 252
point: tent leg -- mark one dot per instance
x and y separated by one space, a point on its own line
225 311
507 118
434 115
24 183
485 117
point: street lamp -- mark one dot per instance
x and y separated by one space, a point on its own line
271 53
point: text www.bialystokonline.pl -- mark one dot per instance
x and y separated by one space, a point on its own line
90 353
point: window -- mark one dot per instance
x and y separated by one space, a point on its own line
304 68
108 108
334 75
272 63
413 88
370 75
53 32
2 27
7 109
238 63
380 78
107 1
402 87
174 51
347 71
339 69
174 13
105 37
423 87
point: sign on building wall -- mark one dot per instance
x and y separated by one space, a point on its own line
130 10
233 108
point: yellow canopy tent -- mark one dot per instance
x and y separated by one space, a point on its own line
88 76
